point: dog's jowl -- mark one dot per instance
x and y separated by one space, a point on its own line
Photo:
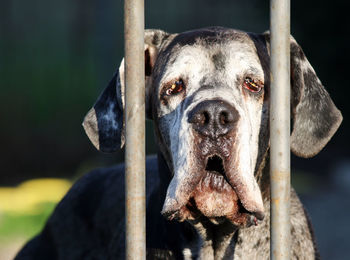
207 92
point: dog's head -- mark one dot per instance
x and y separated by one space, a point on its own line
208 94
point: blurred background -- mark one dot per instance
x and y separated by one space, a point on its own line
57 56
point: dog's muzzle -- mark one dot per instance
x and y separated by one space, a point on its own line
215 184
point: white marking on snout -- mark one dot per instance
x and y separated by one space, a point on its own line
180 145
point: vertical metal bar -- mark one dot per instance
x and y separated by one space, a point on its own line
280 129
135 209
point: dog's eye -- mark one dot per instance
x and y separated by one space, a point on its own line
175 88
252 85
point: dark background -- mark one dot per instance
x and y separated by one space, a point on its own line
57 56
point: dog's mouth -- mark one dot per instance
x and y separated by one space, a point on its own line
215 167
215 164
215 198
215 182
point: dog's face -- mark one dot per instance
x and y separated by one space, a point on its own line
210 106
207 92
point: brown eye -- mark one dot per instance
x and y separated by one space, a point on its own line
175 88
252 85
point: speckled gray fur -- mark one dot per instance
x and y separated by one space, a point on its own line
213 63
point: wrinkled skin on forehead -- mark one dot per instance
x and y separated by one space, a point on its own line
211 64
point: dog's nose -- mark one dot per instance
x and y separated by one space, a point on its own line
213 118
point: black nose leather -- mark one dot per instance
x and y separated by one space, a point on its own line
213 118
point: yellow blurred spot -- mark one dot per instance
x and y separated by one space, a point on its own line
27 197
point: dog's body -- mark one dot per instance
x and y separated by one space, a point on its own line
89 224
207 92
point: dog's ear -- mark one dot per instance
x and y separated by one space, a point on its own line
315 117
104 123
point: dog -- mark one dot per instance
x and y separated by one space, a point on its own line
207 92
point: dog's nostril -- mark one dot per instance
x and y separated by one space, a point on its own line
224 118
206 118
201 119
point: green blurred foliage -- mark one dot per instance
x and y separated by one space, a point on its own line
24 226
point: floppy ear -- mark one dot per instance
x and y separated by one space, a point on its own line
104 122
315 117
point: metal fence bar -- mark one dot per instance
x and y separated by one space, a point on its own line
280 128
135 209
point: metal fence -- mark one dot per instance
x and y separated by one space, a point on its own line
280 128
135 205
135 129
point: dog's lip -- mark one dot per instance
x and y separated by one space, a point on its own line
258 214
214 164
256 217
220 169
183 185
